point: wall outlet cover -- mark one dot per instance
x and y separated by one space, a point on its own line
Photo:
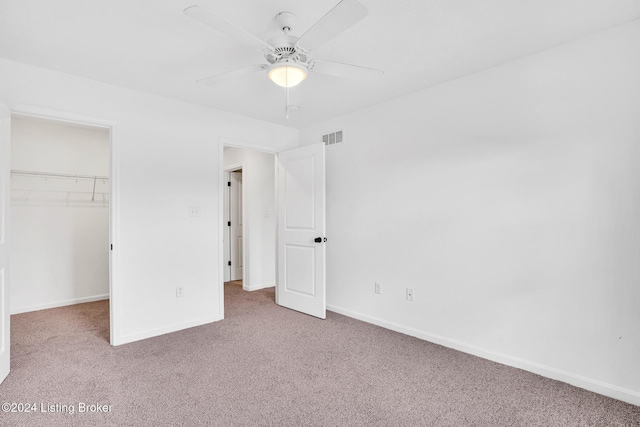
194 211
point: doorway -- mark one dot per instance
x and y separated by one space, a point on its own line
249 223
61 213
273 216
233 236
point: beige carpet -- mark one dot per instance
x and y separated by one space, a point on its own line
268 366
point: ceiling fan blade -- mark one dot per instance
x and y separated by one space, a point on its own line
342 16
200 14
346 71
232 74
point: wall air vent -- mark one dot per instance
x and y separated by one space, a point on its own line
332 138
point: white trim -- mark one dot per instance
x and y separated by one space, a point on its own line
233 167
125 339
59 115
63 303
221 180
258 287
276 212
245 259
590 384
234 143
115 314
115 309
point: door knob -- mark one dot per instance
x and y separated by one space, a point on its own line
320 239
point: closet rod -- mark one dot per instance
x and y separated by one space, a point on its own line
56 175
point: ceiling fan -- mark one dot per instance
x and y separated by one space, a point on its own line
288 55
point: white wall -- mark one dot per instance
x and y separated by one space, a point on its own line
258 184
509 201
60 238
166 159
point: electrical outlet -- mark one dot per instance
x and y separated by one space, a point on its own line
376 287
409 294
194 211
179 291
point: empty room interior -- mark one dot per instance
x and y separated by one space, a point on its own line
339 212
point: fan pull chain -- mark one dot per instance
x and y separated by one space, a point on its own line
286 107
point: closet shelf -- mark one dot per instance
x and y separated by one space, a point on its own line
57 175
61 183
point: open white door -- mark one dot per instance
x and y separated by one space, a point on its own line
301 230
236 227
5 166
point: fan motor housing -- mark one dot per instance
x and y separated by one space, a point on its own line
284 46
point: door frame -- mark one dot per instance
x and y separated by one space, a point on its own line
232 168
5 241
115 318
234 143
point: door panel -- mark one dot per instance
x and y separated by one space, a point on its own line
300 266
235 203
301 210
5 165
300 215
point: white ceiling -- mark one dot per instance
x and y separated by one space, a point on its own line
152 46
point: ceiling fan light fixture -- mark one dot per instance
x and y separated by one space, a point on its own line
287 74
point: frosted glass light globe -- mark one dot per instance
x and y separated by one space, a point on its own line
287 74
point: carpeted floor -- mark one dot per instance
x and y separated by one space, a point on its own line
268 366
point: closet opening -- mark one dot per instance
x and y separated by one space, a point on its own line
60 215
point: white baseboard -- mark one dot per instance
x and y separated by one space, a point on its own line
257 287
125 339
625 395
36 307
